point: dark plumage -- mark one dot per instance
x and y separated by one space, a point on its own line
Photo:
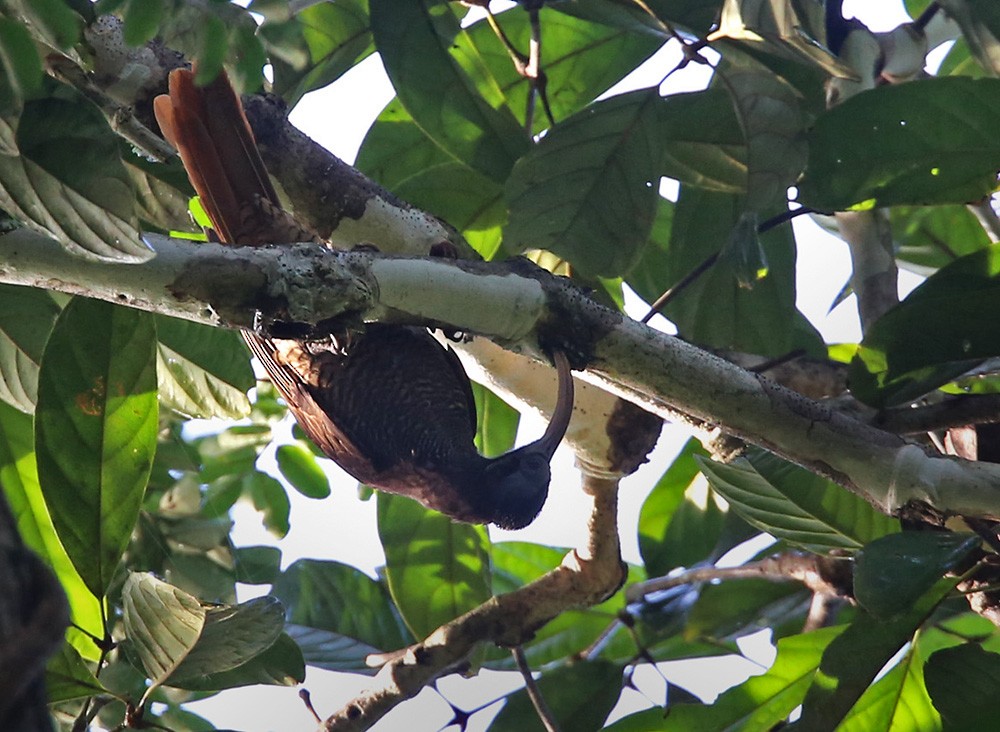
395 408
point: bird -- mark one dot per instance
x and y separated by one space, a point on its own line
390 404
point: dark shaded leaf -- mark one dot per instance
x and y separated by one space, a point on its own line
338 614
893 572
68 677
142 21
257 565
937 333
279 665
588 190
580 696
95 430
924 142
437 569
413 40
21 63
963 681
26 319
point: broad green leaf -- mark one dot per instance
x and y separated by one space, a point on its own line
588 190
271 501
335 37
21 63
649 277
212 49
257 565
962 681
230 637
142 21
931 237
68 677
280 664
339 615
515 564
202 372
934 335
793 504
19 478
580 696
413 40
715 310
852 661
893 572
661 506
299 467
696 16
437 569
770 114
233 451
161 622
95 430
496 422
51 21
69 182
703 142
898 702
924 142
162 193
26 319
756 705
581 59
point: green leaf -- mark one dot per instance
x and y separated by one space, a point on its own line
52 21
413 40
230 637
588 190
280 664
95 430
339 615
26 319
19 478
660 508
68 677
21 63
925 142
202 371
496 422
931 237
934 335
852 661
980 24
897 701
270 499
716 310
580 697
334 36
69 182
437 569
257 565
233 451
299 466
161 622
212 49
758 704
892 573
734 609
963 681
142 21
793 504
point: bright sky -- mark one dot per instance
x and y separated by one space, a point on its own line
343 528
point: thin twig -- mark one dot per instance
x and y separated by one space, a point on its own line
534 693
662 301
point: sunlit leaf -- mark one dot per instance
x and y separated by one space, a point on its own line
437 569
496 422
95 430
793 504
299 467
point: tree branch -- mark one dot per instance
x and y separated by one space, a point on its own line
527 310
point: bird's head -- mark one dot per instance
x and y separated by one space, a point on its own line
516 484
